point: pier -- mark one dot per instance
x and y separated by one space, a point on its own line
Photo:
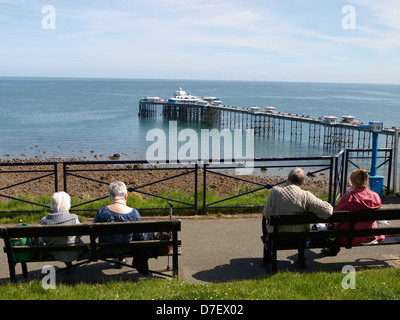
325 131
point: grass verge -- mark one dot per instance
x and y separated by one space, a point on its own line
381 284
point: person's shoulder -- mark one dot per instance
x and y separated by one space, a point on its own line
102 214
372 193
43 220
278 189
103 209
74 216
294 189
134 214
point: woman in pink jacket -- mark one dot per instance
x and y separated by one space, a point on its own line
359 198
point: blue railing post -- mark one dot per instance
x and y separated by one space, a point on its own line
375 181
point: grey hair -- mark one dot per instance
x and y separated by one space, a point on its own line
117 190
60 202
297 176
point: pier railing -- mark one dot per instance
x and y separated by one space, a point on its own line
82 179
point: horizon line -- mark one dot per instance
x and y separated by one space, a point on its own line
200 80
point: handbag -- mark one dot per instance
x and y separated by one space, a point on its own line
163 251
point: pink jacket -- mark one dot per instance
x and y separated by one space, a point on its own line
359 199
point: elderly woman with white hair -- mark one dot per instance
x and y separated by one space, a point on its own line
60 205
118 211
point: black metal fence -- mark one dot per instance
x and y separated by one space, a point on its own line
312 165
78 169
334 169
357 158
13 172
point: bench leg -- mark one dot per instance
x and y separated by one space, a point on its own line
175 253
11 268
10 259
13 276
274 257
266 256
24 270
274 263
175 267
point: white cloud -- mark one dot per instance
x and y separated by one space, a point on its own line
385 12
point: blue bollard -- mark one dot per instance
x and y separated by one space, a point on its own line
375 181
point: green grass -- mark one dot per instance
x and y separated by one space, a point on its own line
378 284
33 213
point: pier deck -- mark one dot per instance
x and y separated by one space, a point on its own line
332 135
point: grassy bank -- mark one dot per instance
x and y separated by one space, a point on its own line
381 284
135 200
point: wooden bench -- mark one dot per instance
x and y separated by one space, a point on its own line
90 250
312 239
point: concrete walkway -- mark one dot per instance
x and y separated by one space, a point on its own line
225 249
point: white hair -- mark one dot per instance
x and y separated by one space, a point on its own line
117 190
60 202
297 176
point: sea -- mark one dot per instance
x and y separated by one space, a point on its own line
96 118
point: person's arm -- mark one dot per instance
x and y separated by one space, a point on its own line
320 208
268 205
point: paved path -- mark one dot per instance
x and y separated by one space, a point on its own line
225 249
238 254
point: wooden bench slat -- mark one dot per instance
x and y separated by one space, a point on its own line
47 248
134 227
47 231
133 244
333 233
96 228
338 216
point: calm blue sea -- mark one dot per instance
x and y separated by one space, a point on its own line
56 117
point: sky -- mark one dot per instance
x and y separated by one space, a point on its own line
343 41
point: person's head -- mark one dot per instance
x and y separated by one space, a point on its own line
297 176
60 202
117 191
359 178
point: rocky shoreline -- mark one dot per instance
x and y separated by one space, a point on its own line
134 175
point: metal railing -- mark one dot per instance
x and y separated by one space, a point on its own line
331 164
44 169
362 158
335 168
137 166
